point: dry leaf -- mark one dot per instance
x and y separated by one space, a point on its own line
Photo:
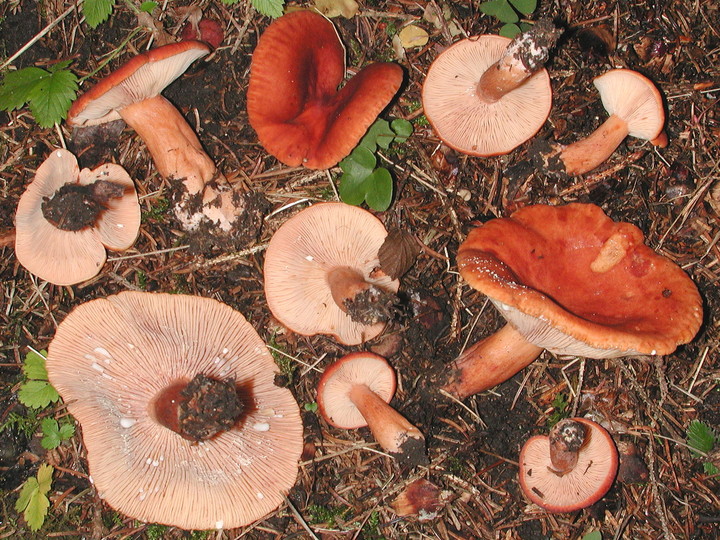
413 36
335 8
398 253
421 498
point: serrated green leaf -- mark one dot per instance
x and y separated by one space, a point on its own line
33 501
44 477
51 98
351 189
509 30
402 128
34 365
710 469
51 434
18 86
501 10
29 488
700 436
148 7
37 394
97 11
526 7
66 431
270 8
379 189
36 511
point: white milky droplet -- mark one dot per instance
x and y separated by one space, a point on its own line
261 426
219 524
127 422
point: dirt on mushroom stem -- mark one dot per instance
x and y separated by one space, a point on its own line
75 207
566 439
371 306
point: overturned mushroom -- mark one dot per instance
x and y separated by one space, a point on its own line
485 95
322 276
293 101
570 280
181 418
67 217
355 391
132 93
570 469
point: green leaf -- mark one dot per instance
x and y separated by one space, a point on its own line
700 436
51 434
270 8
526 7
34 365
37 394
360 163
97 11
710 469
311 407
351 189
379 134
501 10
402 128
379 189
28 490
148 7
66 431
594 535
44 477
33 501
51 98
509 30
18 86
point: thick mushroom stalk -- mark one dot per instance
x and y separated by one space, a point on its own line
567 437
391 429
355 392
490 362
635 107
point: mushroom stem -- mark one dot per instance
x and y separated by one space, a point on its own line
390 429
585 155
491 361
567 437
173 145
345 284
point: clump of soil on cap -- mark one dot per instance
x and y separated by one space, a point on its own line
75 207
209 407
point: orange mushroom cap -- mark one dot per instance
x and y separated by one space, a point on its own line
113 357
299 261
68 257
573 281
293 100
584 485
473 125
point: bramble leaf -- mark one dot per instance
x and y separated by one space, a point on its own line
51 98
700 436
37 394
54 433
33 501
34 365
18 86
97 11
270 8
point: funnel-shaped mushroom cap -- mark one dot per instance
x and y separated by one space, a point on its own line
470 124
293 100
143 77
67 257
573 281
583 486
110 360
634 98
300 256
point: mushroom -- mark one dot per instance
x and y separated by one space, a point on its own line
570 280
293 101
570 469
322 277
180 416
635 107
354 392
132 93
67 217
486 95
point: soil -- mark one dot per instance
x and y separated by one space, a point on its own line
346 486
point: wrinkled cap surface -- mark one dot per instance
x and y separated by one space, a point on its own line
293 101
299 256
586 484
144 76
109 360
465 122
68 257
575 282
359 368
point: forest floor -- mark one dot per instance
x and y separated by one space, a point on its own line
346 485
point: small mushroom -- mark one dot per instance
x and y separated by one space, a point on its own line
322 277
132 92
67 217
571 280
355 391
293 101
181 418
636 109
485 95
570 469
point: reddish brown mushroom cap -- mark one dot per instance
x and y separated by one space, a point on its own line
583 486
110 360
143 77
68 257
293 100
573 281
301 258
473 125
